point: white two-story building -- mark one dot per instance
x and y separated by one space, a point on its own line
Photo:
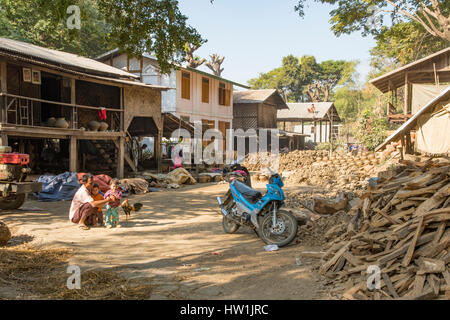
196 95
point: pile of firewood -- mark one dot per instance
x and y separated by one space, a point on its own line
401 226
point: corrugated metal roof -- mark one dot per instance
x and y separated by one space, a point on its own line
300 111
252 96
381 82
68 60
116 52
258 96
412 121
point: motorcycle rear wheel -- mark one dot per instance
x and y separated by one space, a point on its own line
229 226
269 237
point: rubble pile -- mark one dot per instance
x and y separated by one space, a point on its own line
401 226
344 171
287 161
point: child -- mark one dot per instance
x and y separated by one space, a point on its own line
112 214
96 195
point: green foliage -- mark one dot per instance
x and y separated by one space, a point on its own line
371 129
139 26
359 15
29 21
403 43
134 26
295 74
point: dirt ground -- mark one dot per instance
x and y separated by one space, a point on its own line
176 232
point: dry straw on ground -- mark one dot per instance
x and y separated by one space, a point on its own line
30 273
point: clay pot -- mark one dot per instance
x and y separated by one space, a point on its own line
61 123
51 121
93 125
103 126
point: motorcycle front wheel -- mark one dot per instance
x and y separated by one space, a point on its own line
229 226
282 233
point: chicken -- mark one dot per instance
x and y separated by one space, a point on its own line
128 208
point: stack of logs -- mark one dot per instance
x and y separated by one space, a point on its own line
401 226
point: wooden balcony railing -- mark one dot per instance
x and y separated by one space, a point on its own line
20 110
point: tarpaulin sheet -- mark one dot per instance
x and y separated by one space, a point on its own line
423 93
102 180
59 187
433 133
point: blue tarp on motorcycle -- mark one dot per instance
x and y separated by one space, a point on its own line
60 187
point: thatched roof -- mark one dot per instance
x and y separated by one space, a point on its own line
259 96
299 112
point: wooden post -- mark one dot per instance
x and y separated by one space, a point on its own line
4 89
406 110
141 68
303 127
3 139
73 101
158 154
331 133
3 76
408 143
121 158
73 155
21 146
320 128
315 131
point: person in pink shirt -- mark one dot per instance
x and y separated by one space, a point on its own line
112 214
83 208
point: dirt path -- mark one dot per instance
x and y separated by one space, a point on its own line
175 233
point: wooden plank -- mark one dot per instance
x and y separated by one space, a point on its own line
389 285
410 252
419 281
73 155
438 198
434 283
335 259
446 275
427 265
120 158
351 258
423 239
387 217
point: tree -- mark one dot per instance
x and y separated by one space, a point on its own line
214 64
371 129
368 15
133 26
403 43
303 79
193 61
26 21
330 74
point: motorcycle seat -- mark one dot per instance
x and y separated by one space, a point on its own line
248 193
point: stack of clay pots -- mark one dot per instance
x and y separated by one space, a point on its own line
97 126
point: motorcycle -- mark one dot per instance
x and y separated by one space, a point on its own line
244 206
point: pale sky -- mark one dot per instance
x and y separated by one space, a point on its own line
254 35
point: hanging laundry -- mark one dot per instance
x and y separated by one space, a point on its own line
102 114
